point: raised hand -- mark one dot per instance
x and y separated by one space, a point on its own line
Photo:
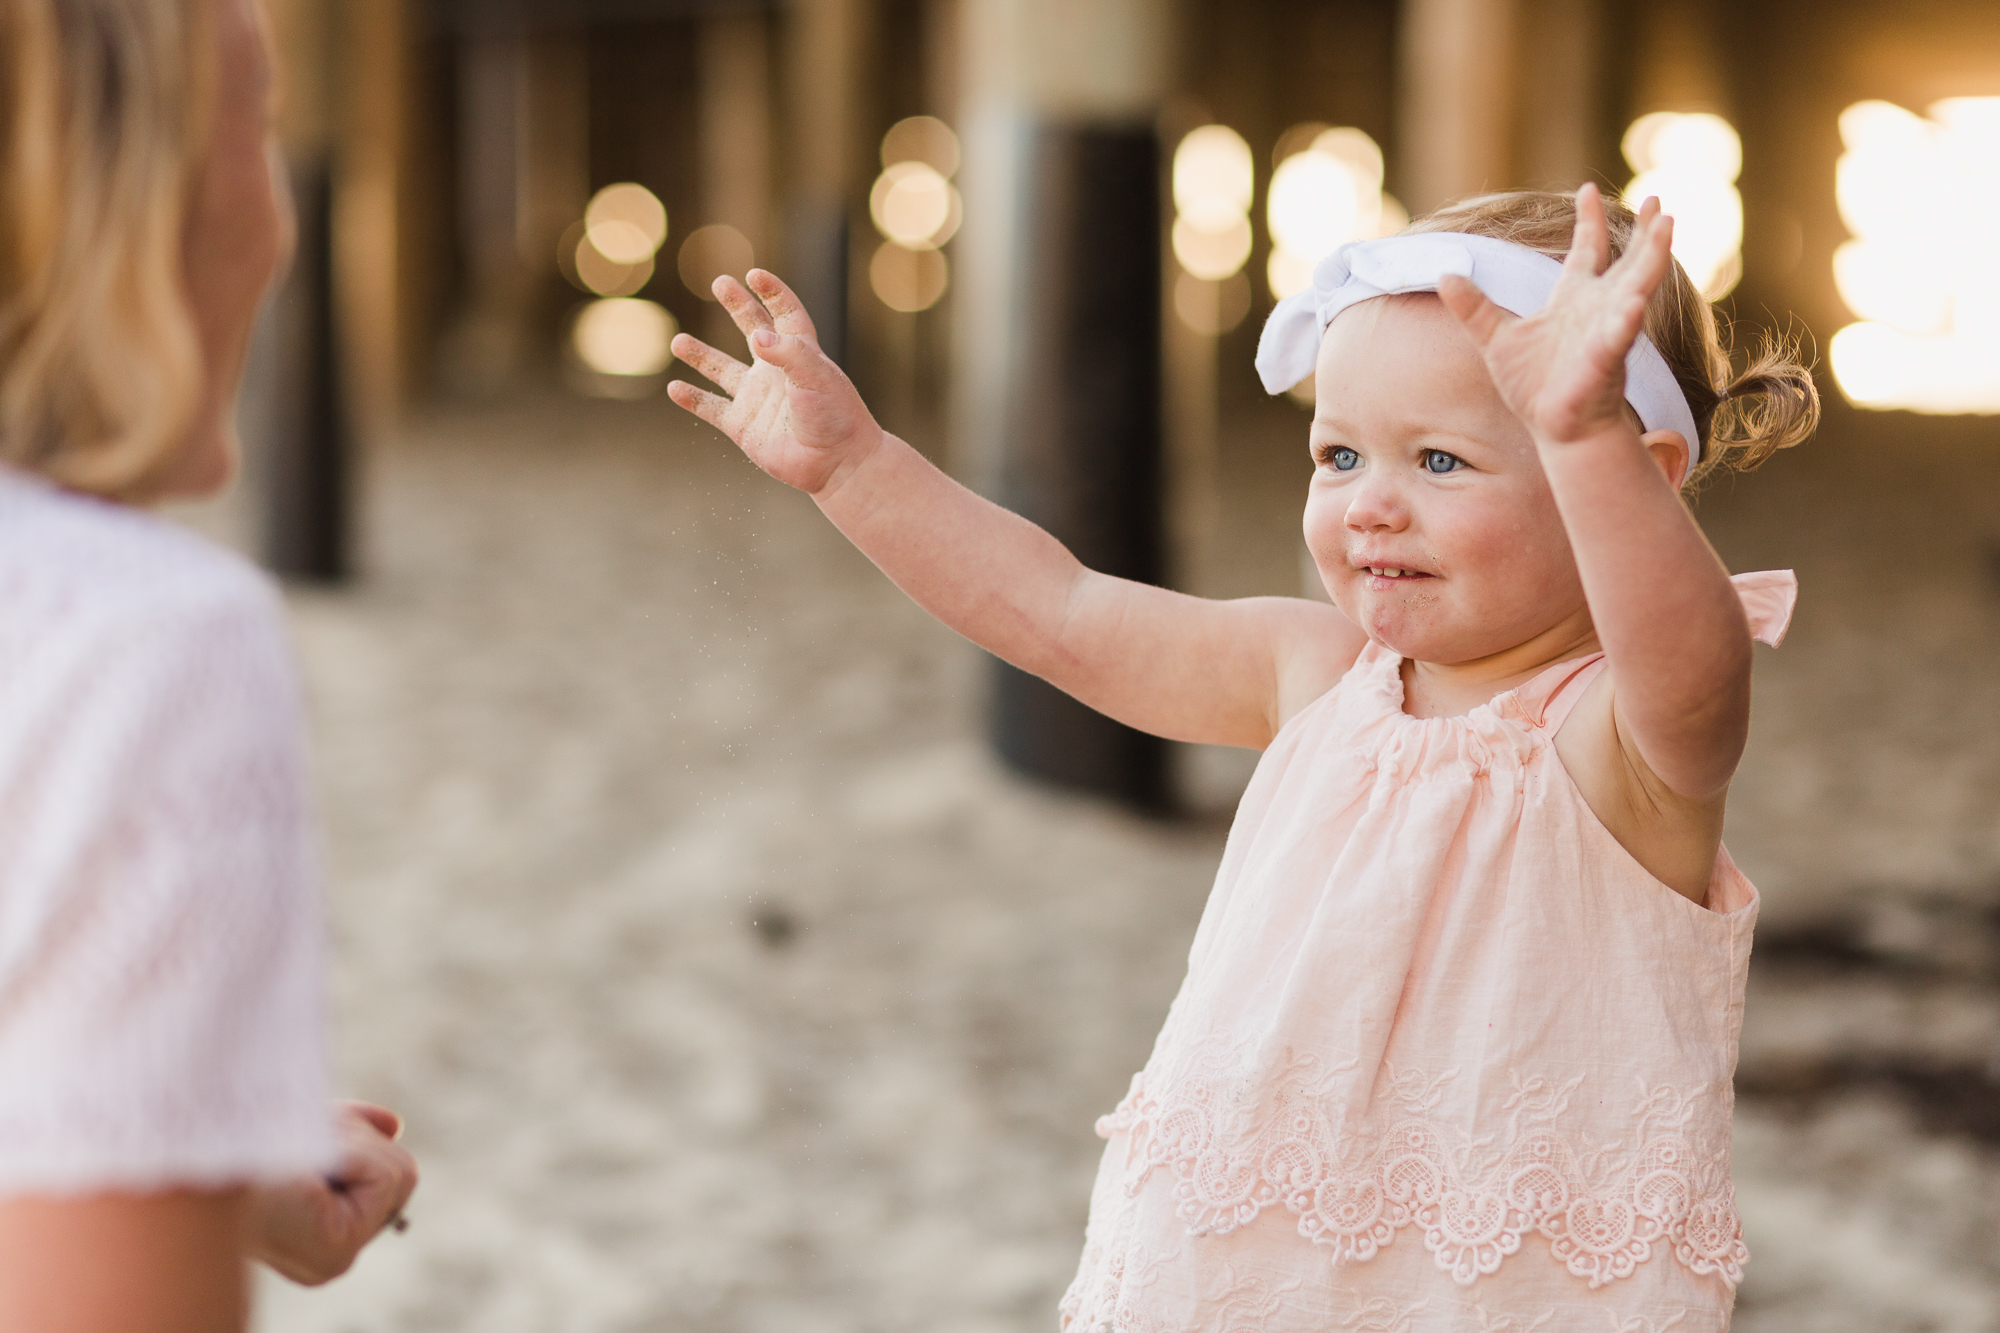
1562 370
791 409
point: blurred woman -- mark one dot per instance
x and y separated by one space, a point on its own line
163 1105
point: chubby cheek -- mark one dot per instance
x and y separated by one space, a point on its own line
1507 573
1326 541
1512 576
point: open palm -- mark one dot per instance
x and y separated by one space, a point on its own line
1562 370
791 409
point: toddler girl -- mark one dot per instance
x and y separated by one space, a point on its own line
1455 1046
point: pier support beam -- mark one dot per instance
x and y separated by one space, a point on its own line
1057 339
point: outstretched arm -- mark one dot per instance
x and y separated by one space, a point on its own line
1178 666
1671 624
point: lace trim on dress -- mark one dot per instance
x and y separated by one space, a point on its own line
1603 1207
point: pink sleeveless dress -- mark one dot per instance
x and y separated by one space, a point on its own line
1446 1057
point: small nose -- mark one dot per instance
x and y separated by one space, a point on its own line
1376 506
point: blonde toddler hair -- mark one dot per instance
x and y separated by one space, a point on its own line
103 111
1744 416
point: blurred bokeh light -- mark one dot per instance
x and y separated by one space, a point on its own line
1922 270
624 336
609 251
1215 182
710 252
924 139
1212 254
908 280
1214 178
601 275
626 222
1212 306
914 206
1323 196
917 209
1691 162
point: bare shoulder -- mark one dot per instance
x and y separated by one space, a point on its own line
1673 837
1314 645
68 561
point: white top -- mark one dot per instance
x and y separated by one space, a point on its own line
161 935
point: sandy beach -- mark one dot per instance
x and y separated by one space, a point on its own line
728 984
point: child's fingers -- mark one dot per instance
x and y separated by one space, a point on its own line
721 367
710 407
1652 231
1481 318
380 1118
786 311
802 361
745 309
1644 264
1590 240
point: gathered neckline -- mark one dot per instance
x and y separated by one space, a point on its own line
1382 669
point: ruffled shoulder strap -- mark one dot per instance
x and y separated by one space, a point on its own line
1768 598
1548 698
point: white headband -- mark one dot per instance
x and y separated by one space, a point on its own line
1512 276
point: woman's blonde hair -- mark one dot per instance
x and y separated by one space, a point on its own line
103 111
1744 416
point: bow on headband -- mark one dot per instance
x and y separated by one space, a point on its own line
1513 277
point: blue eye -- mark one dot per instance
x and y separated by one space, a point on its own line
1344 459
1437 460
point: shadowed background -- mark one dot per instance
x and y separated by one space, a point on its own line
748 952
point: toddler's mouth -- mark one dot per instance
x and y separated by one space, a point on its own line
1394 572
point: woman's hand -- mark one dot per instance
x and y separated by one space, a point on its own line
1562 370
312 1230
791 409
